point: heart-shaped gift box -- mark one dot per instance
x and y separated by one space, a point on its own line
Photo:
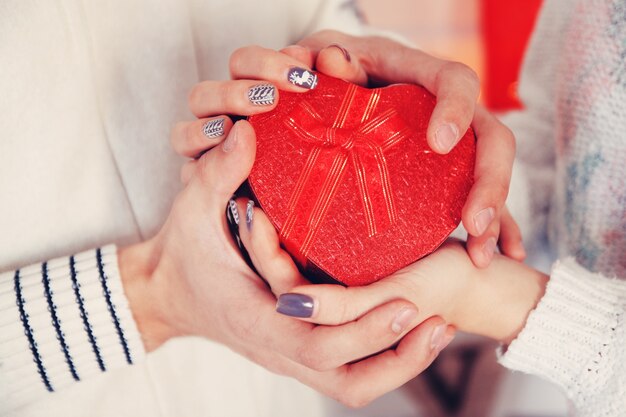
347 178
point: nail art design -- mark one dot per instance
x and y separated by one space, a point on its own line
232 209
262 94
302 78
249 214
213 128
295 305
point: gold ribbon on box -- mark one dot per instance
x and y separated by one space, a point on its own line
364 146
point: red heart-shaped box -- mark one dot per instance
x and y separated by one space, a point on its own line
347 178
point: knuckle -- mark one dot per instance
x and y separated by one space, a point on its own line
459 72
176 134
311 356
205 172
236 58
463 71
229 96
195 96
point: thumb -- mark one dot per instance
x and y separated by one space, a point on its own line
222 170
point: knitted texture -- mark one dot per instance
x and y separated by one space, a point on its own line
571 145
575 338
63 321
588 217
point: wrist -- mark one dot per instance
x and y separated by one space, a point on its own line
503 296
137 265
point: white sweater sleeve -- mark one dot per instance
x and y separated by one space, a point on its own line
576 338
61 322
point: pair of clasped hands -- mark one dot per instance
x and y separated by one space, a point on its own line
191 280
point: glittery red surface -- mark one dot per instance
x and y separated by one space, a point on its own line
429 190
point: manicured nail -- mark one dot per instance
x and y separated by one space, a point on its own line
489 247
343 50
249 214
295 305
445 341
402 320
233 211
231 139
262 94
437 336
213 128
483 219
446 136
302 78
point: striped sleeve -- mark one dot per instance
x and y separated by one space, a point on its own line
61 322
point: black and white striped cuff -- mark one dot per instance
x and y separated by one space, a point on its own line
63 321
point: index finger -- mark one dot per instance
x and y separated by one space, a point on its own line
495 152
286 72
385 61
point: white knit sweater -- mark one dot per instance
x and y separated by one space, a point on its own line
89 91
572 148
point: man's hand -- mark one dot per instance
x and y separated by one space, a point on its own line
191 280
494 301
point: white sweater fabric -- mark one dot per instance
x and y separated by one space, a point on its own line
89 93
572 150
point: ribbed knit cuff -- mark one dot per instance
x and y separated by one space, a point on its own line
572 335
61 322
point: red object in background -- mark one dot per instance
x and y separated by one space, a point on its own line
346 176
507 26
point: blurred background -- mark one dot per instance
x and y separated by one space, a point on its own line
490 36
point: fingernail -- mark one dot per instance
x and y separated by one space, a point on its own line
437 337
213 128
483 219
295 305
445 341
262 94
446 136
402 320
489 247
343 50
249 214
302 78
231 139
233 212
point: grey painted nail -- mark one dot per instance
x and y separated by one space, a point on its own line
302 77
234 212
249 214
262 94
213 128
295 305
